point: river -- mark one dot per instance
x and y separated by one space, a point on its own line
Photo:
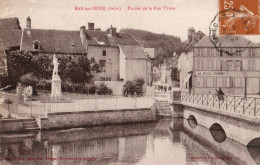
165 142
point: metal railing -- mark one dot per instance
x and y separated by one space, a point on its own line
249 106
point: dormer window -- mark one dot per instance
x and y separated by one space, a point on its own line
36 45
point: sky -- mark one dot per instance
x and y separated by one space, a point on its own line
61 14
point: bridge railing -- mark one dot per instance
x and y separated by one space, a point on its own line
237 104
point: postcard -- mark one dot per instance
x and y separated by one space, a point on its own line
133 82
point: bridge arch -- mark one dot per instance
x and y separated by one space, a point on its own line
253 148
192 121
218 133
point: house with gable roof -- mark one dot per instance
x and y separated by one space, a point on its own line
114 51
108 48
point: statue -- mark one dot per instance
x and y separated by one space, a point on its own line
56 81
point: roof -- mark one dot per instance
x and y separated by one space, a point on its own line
52 41
227 41
104 38
149 52
133 51
197 37
10 32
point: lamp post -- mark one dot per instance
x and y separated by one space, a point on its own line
245 92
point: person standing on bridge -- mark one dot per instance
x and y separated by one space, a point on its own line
220 94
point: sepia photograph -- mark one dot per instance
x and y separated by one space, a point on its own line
130 82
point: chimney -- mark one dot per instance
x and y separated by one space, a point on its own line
28 22
191 34
91 26
82 34
112 31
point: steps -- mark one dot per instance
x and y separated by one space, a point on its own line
30 125
163 109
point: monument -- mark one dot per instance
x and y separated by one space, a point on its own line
56 81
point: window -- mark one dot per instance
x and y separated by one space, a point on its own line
102 65
239 53
229 81
251 64
105 78
104 52
210 81
229 65
231 51
238 65
199 81
220 81
201 52
237 82
251 52
211 52
210 65
218 65
200 64
36 45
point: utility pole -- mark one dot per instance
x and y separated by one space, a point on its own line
245 92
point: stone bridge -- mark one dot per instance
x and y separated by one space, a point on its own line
228 118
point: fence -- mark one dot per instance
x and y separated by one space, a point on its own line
236 104
45 105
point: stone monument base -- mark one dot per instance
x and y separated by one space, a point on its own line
56 89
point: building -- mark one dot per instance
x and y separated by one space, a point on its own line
134 63
156 75
10 37
119 55
234 66
166 69
185 60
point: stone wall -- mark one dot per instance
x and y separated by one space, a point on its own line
12 125
91 118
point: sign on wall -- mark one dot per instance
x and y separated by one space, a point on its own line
211 73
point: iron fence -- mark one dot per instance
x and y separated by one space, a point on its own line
236 104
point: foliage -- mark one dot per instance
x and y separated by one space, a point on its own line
28 91
174 74
8 101
73 68
102 89
29 79
132 87
92 89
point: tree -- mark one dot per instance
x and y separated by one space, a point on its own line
77 68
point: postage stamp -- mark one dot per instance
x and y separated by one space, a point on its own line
239 17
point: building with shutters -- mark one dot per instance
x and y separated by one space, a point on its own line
234 66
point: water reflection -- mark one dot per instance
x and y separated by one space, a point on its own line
163 142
